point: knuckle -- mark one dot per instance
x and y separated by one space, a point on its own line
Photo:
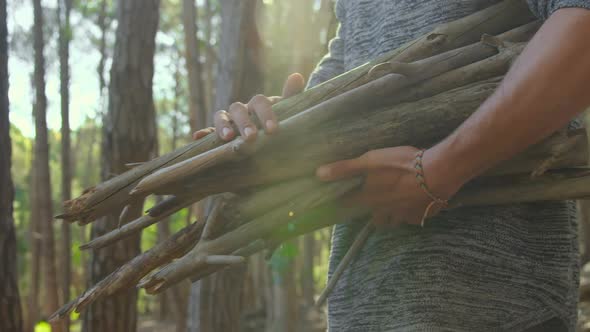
237 107
221 114
259 99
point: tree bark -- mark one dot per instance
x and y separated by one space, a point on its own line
63 15
41 162
10 309
239 78
129 136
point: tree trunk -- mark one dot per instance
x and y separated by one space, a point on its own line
32 312
63 16
307 271
196 103
102 24
10 309
129 136
209 62
197 109
239 78
41 162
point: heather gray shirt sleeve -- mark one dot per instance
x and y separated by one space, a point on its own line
544 8
332 64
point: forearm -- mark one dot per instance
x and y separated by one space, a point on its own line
545 88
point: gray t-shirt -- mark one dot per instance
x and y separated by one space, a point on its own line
503 268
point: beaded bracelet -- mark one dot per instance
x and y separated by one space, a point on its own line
422 184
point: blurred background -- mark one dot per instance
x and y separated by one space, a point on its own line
77 39
71 63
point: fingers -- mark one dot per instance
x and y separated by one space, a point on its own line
240 115
342 169
262 107
202 133
223 126
294 84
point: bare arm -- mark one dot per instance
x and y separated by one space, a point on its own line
546 87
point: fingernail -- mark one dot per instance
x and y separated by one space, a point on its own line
249 131
323 172
271 125
225 132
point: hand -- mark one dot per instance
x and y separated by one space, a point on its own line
241 118
391 189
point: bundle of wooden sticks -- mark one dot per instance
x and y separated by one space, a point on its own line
415 95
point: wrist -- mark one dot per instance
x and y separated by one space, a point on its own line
442 173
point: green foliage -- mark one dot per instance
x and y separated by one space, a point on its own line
279 32
283 256
43 326
90 9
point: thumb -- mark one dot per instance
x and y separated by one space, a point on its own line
294 84
342 169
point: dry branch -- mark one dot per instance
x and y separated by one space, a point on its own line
169 207
562 184
356 246
129 274
496 19
325 215
396 76
278 196
243 235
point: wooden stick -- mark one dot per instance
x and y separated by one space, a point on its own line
172 205
356 246
236 212
418 123
562 184
521 189
243 235
114 193
130 273
397 77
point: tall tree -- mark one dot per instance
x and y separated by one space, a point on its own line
129 135
102 46
10 309
197 108
209 61
63 19
32 312
41 166
239 78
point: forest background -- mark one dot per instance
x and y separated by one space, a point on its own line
60 54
